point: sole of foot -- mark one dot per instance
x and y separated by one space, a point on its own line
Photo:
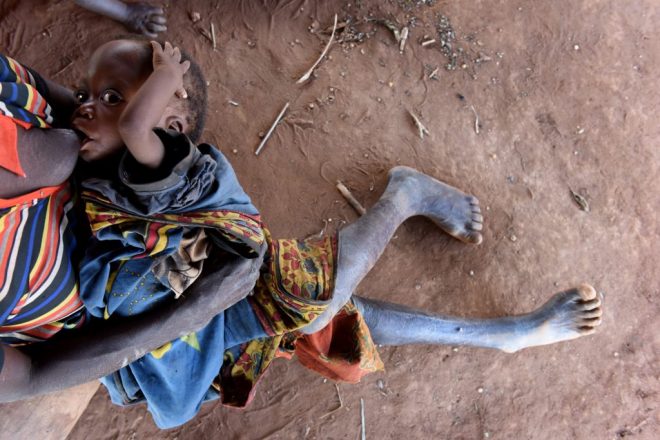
456 213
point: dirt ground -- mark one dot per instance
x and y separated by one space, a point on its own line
565 100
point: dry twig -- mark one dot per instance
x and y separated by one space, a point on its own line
350 199
308 74
427 42
476 119
581 201
363 425
420 127
270 131
403 38
341 404
213 35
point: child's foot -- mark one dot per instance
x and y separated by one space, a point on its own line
455 212
568 315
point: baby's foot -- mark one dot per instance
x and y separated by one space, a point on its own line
567 315
455 212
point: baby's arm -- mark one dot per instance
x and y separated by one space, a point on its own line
139 17
145 110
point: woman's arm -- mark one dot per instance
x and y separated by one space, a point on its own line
87 355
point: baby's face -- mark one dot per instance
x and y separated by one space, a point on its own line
116 71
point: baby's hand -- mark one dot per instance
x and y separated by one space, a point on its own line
142 18
169 58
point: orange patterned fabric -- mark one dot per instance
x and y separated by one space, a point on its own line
294 289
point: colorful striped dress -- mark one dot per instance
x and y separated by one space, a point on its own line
38 262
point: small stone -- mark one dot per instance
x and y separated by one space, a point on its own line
332 90
366 155
379 100
390 84
362 51
208 83
471 273
418 286
262 134
575 153
486 434
487 208
329 220
455 349
311 105
576 47
480 390
380 383
235 151
325 380
195 17
580 130
616 354
513 238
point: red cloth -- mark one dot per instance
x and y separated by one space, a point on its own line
9 147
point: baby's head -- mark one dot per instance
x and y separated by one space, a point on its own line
116 72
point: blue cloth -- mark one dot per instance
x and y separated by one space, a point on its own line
117 278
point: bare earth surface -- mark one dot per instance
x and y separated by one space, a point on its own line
566 99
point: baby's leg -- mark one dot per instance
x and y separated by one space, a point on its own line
408 193
567 315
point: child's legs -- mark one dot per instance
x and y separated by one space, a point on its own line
408 193
567 315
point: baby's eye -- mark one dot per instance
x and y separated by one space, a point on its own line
81 96
111 97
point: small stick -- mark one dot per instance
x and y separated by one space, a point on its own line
341 402
476 120
403 38
350 199
213 35
434 74
307 75
272 127
581 201
363 425
420 127
427 42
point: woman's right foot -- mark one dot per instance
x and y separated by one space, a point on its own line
567 315
455 212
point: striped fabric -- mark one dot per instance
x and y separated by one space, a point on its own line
38 282
236 228
19 98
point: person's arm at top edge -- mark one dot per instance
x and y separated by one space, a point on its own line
145 110
138 17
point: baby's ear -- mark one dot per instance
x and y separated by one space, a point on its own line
176 123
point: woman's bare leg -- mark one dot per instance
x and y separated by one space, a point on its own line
567 315
408 193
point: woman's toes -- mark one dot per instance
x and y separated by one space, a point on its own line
477 217
475 237
595 313
592 322
476 226
586 292
586 330
590 305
